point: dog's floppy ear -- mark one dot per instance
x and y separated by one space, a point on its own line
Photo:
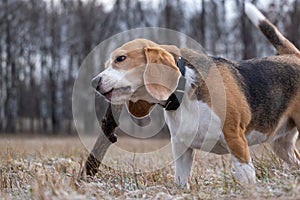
140 108
161 75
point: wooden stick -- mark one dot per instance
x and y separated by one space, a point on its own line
104 141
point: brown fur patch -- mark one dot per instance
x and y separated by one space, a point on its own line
161 75
140 108
227 100
294 110
134 58
238 117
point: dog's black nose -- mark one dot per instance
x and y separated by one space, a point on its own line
96 82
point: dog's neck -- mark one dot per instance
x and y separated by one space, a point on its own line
174 101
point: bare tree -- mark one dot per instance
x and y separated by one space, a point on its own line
249 49
172 16
214 26
11 77
1 70
198 25
293 25
54 69
1 88
43 43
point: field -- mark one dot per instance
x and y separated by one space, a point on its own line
49 168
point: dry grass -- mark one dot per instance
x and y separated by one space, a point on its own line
48 168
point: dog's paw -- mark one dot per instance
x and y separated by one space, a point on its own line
245 173
182 186
182 183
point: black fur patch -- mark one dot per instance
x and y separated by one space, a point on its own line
269 86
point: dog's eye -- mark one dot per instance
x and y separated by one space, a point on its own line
120 59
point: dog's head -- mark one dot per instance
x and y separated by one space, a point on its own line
140 73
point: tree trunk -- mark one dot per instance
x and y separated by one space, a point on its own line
293 29
53 71
249 50
214 17
224 29
44 90
1 91
68 94
53 102
43 95
109 124
203 25
10 79
33 90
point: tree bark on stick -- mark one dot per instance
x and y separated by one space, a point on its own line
109 124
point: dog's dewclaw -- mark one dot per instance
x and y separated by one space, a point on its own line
109 124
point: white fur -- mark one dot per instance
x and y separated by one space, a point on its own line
111 77
189 75
256 137
253 14
281 129
283 143
244 172
183 161
195 126
192 126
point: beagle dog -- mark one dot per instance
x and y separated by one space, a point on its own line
261 98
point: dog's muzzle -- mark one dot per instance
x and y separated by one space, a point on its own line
96 82
97 85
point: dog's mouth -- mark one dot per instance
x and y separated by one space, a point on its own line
114 92
105 94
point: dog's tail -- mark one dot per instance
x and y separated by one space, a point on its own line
283 45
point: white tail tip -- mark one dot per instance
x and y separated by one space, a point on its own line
253 13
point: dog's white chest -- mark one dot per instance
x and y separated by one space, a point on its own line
196 125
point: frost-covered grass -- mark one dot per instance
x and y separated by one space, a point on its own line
41 168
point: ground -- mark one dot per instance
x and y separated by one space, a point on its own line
49 168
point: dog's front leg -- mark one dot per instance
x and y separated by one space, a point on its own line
183 157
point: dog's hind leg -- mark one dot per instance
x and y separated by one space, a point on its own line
238 147
285 147
237 119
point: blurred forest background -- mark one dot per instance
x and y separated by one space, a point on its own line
43 43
